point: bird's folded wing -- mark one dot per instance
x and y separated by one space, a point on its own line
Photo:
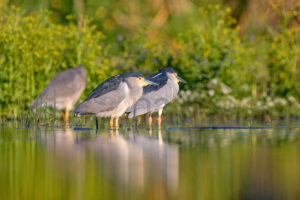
104 103
110 100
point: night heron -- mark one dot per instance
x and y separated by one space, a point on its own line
112 97
63 90
155 97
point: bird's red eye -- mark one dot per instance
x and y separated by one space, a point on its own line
140 78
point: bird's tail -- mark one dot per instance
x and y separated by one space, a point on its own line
77 112
81 109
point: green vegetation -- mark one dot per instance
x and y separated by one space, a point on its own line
227 72
33 49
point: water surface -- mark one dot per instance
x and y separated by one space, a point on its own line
261 162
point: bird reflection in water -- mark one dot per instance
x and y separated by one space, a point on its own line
131 160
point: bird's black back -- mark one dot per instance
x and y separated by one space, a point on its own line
111 84
160 78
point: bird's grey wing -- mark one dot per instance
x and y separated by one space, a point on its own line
153 100
104 103
107 86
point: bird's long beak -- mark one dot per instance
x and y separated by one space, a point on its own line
147 82
180 79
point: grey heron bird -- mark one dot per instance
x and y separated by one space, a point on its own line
112 97
63 90
155 97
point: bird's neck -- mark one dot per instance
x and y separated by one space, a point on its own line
175 85
136 92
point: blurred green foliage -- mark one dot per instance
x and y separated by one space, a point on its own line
226 72
33 50
254 74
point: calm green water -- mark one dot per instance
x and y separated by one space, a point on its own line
177 163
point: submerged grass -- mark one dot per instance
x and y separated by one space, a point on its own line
50 118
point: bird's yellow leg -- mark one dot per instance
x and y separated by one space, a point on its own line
111 124
150 121
159 118
159 122
117 123
67 117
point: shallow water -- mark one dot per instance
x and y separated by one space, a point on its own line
231 162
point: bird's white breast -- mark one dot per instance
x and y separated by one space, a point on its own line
159 99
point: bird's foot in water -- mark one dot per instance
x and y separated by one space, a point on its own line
111 123
117 124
